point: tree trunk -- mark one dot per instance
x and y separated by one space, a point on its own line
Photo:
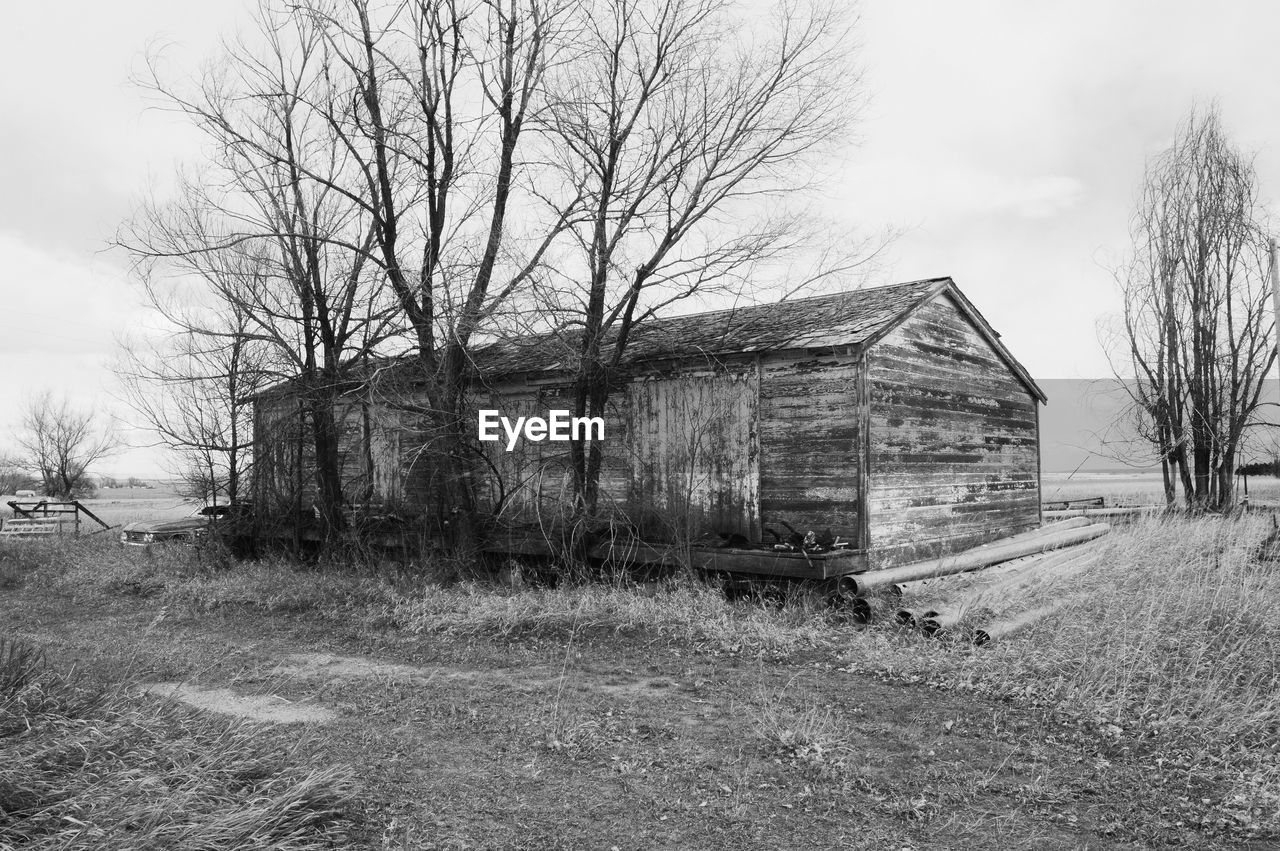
328 472
454 492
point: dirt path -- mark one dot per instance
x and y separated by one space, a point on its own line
604 742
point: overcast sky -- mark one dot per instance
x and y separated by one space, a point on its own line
1006 140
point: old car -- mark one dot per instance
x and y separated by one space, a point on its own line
229 524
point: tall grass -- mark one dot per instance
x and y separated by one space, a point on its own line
1177 625
86 768
1173 635
1172 639
682 610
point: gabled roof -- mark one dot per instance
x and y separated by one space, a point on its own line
851 318
854 318
842 319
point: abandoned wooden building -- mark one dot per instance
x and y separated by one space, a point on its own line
891 418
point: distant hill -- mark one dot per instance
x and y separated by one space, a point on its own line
1078 428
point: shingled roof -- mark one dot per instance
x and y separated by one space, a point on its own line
850 318
840 319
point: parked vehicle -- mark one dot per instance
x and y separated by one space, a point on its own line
230 524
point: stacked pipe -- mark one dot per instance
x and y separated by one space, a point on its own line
1010 626
949 591
1066 534
1049 568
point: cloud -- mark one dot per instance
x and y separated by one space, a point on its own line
58 304
907 190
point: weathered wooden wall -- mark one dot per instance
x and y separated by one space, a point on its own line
810 445
680 454
953 442
283 457
694 452
369 455
534 481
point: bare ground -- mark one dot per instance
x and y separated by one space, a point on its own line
593 740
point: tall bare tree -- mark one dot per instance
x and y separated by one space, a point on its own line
60 444
1197 325
263 237
689 131
432 100
464 159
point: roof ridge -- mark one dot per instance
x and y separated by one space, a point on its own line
791 301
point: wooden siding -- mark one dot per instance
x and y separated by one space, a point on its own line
810 443
284 456
953 440
533 483
680 454
530 482
695 453
369 455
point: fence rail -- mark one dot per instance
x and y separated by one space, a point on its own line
47 518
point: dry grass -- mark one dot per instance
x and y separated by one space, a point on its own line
88 768
683 610
1171 639
1177 625
1171 643
1174 625
202 579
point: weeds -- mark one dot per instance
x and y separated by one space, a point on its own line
1173 636
685 611
1170 652
1172 639
85 768
811 736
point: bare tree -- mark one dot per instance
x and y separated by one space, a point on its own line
465 159
272 261
14 476
432 100
60 444
194 391
689 131
1197 329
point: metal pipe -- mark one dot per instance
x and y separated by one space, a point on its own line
865 583
1012 626
1058 567
993 571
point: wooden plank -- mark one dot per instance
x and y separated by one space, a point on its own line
791 565
810 439
863 414
697 452
954 442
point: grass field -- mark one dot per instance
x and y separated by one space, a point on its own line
1134 487
465 715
